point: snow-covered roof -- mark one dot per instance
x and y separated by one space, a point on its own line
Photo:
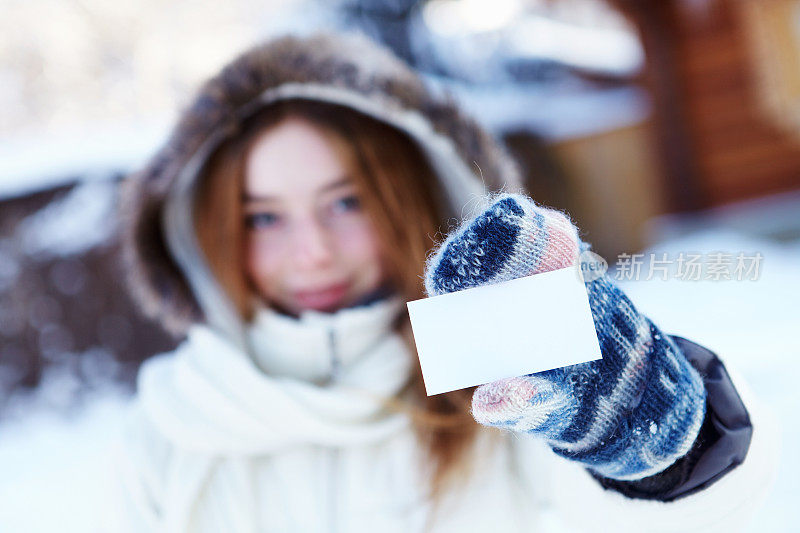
555 112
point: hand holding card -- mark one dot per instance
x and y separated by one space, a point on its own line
626 416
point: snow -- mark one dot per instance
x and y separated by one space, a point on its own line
472 39
29 163
556 113
602 49
53 464
751 325
83 219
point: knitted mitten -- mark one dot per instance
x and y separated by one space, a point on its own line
626 416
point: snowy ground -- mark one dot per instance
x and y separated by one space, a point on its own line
752 325
52 465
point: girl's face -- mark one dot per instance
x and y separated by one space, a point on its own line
308 243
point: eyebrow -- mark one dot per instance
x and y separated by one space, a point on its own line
341 182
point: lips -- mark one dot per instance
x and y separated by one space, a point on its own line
322 299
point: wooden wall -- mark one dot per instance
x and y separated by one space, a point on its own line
717 141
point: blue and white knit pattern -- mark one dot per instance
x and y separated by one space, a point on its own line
626 416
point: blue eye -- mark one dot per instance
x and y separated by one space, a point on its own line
260 220
349 203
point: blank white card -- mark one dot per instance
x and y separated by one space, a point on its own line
502 330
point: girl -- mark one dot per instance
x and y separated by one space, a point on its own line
281 230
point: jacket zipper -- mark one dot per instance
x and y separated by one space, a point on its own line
335 363
332 488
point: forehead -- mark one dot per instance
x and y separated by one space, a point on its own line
292 158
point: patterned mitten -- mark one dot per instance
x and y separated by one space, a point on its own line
626 416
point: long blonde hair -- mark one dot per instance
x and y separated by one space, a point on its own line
403 198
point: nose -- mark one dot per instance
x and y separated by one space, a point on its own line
312 245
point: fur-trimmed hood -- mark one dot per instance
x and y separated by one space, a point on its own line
165 272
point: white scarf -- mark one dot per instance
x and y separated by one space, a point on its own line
309 380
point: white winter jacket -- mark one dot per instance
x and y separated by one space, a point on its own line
296 440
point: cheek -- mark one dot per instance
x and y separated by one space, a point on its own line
261 261
361 245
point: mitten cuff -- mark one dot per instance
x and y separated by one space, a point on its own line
721 446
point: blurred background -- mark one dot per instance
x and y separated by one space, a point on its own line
661 126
